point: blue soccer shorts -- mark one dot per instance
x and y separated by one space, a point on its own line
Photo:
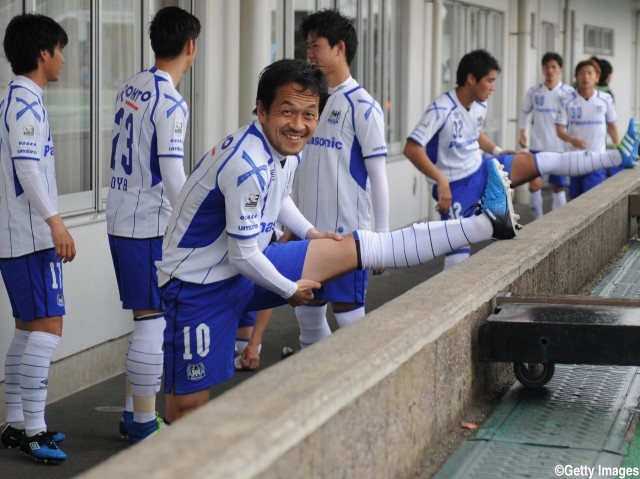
465 193
202 319
134 264
34 285
350 288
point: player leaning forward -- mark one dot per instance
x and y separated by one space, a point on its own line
217 262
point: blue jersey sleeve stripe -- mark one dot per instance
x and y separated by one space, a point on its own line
374 156
242 236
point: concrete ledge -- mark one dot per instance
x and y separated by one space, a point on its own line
370 400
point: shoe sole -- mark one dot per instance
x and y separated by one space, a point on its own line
512 223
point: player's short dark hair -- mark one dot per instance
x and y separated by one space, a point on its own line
478 63
170 30
334 26
283 72
605 68
26 36
552 56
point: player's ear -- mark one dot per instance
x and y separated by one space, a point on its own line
260 111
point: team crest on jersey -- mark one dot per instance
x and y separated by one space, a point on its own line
479 121
334 117
600 109
28 131
177 129
251 202
60 299
196 372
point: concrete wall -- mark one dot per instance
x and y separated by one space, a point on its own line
381 392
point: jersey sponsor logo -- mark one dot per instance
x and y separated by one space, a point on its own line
249 217
28 131
251 202
48 150
326 142
334 117
196 372
267 227
134 94
462 144
248 227
23 151
380 148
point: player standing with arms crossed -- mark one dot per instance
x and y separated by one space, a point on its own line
343 173
584 120
34 241
147 175
541 105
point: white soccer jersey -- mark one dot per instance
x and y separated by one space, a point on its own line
449 133
236 190
150 123
24 135
332 188
541 105
587 119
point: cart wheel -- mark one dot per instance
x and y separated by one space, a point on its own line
534 375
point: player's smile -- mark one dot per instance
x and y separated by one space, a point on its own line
291 120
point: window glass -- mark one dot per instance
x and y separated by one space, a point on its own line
121 57
68 100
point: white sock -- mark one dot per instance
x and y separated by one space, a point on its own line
313 324
558 199
576 163
144 365
535 202
421 242
453 259
12 395
34 379
345 318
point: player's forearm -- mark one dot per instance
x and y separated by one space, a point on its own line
251 263
377 171
31 182
417 156
612 129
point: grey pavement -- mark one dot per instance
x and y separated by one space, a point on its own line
90 417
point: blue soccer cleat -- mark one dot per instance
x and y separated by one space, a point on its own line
496 202
126 420
139 431
628 147
10 436
42 448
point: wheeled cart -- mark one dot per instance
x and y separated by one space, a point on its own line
536 332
